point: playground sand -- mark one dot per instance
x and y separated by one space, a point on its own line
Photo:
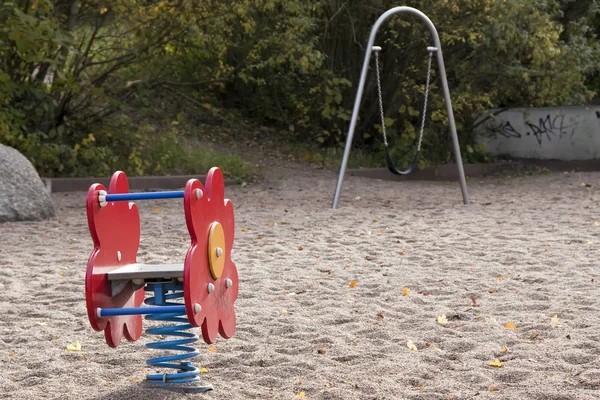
525 250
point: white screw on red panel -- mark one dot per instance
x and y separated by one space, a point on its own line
102 198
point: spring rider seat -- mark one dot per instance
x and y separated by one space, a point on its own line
200 292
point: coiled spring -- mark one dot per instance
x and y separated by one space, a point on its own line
186 372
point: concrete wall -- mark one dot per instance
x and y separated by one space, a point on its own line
566 133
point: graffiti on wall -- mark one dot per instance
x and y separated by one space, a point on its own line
547 128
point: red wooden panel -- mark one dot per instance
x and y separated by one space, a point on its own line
217 314
114 228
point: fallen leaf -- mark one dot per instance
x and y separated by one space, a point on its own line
405 291
299 382
330 384
490 291
500 278
493 388
380 315
321 351
442 320
554 321
352 284
426 293
496 363
346 266
260 236
85 357
411 345
74 347
532 335
368 258
401 252
329 272
510 325
271 223
300 248
157 210
204 370
301 395
421 387
212 349
374 220
244 229
504 349
11 354
284 310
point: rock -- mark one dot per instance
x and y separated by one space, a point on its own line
23 196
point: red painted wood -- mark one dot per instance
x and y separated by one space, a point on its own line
115 227
218 314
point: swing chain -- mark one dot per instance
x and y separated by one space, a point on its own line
377 49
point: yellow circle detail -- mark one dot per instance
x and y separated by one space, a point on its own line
216 250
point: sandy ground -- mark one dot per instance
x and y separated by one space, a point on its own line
526 250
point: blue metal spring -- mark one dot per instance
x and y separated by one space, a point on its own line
186 372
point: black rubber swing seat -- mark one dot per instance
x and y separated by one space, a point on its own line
392 167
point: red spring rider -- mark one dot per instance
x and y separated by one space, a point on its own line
198 293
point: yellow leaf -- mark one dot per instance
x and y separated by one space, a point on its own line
493 388
411 346
490 291
352 283
157 210
510 325
11 354
212 349
271 223
442 320
260 236
75 347
496 363
500 278
103 10
283 310
204 370
405 291
554 321
244 229
301 395
504 349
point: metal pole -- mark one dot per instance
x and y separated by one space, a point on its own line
361 86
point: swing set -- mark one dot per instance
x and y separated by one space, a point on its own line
376 50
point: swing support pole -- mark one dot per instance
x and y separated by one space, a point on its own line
361 86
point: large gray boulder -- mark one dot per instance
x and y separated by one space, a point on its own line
23 196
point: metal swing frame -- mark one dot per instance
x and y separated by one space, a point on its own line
361 86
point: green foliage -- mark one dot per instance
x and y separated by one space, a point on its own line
77 79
